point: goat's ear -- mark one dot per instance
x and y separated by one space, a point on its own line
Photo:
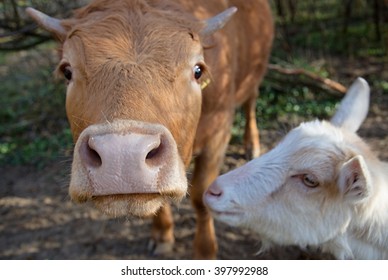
354 180
354 106
48 23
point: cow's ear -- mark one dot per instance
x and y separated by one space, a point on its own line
354 106
50 24
217 22
355 180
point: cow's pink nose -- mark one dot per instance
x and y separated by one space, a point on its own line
214 190
124 163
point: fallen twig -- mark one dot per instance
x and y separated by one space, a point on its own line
299 71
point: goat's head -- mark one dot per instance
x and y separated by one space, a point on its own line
304 191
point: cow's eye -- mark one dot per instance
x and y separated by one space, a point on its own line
67 71
198 71
310 180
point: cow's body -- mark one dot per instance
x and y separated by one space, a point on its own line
135 85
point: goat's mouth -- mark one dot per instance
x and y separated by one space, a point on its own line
225 213
234 219
223 209
228 216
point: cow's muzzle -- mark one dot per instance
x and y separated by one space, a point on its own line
127 157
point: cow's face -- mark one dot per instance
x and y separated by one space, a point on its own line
133 102
133 107
148 79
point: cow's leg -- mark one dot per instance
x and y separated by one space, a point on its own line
251 135
162 231
207 166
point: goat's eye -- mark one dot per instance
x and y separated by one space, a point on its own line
67 72
310 180
198 71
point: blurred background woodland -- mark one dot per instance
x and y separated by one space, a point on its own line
315 40
321 46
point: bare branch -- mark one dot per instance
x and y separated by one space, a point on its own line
299 71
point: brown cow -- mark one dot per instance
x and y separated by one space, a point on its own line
150 83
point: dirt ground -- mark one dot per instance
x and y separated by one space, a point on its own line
38 220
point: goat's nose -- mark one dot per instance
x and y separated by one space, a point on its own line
124 160
214 190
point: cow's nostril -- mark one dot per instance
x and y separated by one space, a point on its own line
89 155
94 157
154 155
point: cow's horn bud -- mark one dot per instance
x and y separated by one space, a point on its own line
217 22
51 24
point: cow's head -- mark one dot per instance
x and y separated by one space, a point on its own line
134 75
305 190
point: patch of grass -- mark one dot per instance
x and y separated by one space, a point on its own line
292 105
39 152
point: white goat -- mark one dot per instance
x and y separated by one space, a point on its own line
321 186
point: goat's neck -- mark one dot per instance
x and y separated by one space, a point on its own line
369 226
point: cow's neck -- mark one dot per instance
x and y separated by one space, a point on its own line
368 230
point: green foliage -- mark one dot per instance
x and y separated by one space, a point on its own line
317 35
280 108
322 26
384 86
33 123
299 103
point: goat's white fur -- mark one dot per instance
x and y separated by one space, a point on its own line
346 214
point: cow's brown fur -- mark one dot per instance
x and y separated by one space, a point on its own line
127 57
